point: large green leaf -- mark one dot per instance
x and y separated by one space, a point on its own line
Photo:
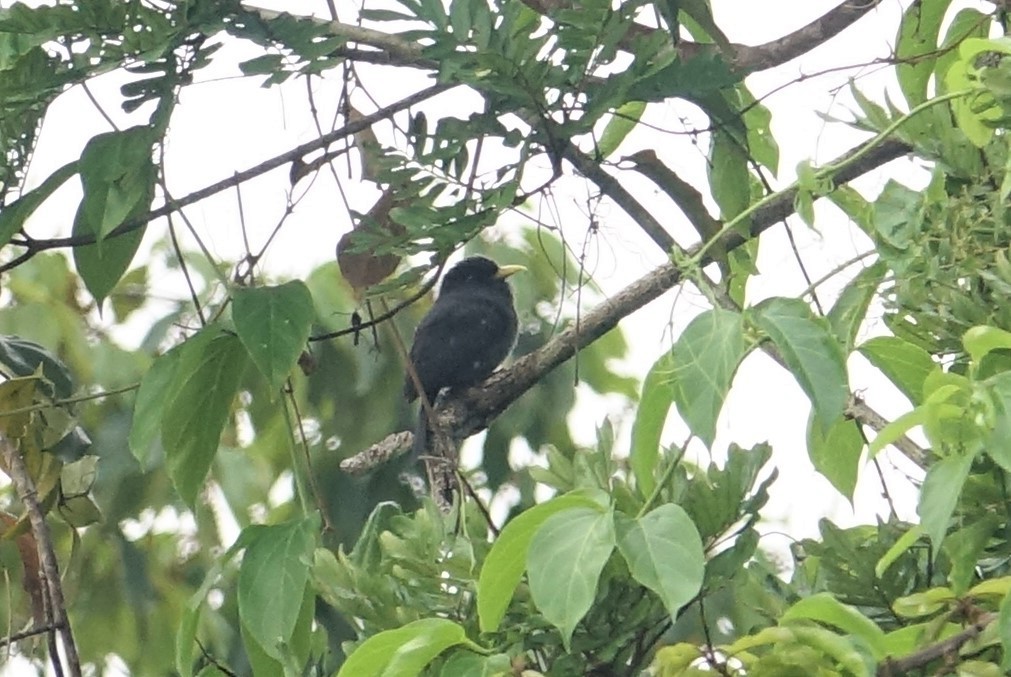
810 351
118 177
206 381
998 443
564 563
23 358
939 495
403 652
706 357
905 364
149 405
623 121
664 553
836 453
916 48
14 215
849 310
826 608
507 560
272 579
728 172
469 664
658 391
102 265
117 172
273 323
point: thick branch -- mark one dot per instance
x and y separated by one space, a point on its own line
391 50
471 411
25 488
803 40
893 667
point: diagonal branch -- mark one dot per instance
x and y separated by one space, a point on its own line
14 464
391 50
803 40
471 411
893 667
33 247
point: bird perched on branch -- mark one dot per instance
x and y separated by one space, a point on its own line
468 332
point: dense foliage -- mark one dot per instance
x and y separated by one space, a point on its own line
176 500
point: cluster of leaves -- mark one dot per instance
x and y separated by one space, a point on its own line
606 568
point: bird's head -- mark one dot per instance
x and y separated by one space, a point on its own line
477 271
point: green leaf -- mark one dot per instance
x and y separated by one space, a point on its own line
624 120
261 664
836 453
939 495
966 23
664 552
117 173
980 340
149 405
706 357
403 652
855 206
118 176
265 64
728 173
206 381
904 543
905 364
825 608
924 603
506 561
23 358
921 415
850 309
703 74
102 266
273 323
1004 630
185 635
758 122
803 204
998 446
14 215
272 581
564 563
810 351
658 390
965 547
897 211
469 664
916 48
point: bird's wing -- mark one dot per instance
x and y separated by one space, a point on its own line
460 342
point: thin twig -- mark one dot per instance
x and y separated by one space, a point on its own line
25 634
33 247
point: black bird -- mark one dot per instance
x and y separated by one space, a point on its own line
467 333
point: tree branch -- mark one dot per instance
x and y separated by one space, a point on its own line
471 411
25 487
802 40
391 50
893 667
33 247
